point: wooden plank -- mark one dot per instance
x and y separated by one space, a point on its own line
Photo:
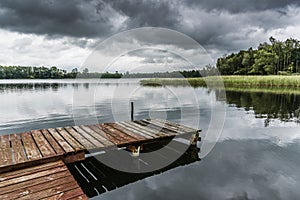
56 190
63 143
36 181
106 135
154 132
185 128
30 170
162 123
78 156
5 151
4 141
126 131
72 141
158 127
89 137
32 189
31 149
118 134
86 143
161 131
43 145
32 176
75 193
57 148
98 134
165 126
136 129
49 180
18 150
146 128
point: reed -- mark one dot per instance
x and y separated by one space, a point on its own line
229 81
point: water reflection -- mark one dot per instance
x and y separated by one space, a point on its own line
285 107
235 169
96 178
257 156
31 87
37 104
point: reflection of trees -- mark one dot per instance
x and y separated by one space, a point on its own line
11 87
285 107
31 86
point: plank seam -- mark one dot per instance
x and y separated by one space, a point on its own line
65 139
77 139
50 142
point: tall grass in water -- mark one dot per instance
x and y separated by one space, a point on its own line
264 81
229 81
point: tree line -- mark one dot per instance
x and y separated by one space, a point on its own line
28 72
206 71
270 58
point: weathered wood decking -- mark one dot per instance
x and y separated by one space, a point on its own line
70 143
32 163
48 181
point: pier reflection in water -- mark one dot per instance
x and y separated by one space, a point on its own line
96 178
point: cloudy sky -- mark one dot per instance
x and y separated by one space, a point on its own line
65 33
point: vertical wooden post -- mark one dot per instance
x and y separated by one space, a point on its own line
132 111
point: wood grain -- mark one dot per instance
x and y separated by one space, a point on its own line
42 143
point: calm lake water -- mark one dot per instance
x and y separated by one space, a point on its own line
256 157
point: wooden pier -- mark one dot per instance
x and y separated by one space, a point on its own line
37 148
48 181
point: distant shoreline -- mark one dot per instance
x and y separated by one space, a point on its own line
228 81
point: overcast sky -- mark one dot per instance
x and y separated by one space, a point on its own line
65 33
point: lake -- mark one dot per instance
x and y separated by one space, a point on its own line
256 156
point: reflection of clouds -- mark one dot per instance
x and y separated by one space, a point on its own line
240 126
235 169
249 162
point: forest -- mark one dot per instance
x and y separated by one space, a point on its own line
29 72
270 58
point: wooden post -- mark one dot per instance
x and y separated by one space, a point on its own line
132 111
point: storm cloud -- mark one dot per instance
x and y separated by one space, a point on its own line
238 6
219 26
71 18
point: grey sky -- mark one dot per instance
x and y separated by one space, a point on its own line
64 33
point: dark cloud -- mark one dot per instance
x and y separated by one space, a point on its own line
240 6
218 25
148 12
72 18
84 18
